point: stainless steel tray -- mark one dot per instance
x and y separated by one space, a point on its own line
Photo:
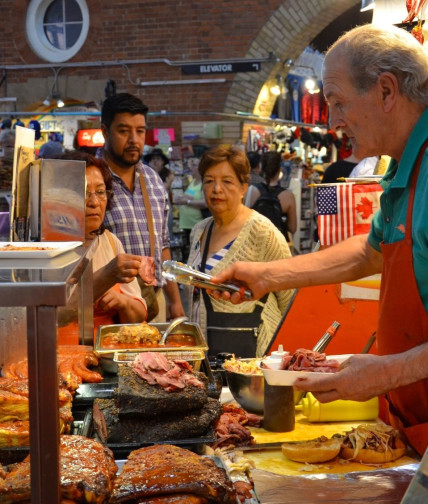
107 354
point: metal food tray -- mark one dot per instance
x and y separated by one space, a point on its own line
107 354
170 353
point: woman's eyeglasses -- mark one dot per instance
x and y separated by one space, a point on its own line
101 194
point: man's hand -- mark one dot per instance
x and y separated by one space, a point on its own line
360 378
249 274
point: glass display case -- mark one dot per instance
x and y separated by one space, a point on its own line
34 292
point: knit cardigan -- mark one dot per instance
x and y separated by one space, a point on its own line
258 240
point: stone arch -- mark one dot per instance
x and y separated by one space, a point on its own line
287 33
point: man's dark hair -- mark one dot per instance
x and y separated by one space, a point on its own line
119 104
254 159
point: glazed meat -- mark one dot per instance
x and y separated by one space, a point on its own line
175 499
166 470
73 365
147 270
14 433
20 387
87 470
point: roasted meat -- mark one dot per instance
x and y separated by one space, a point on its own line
112 428
73 365
14 433
165 470
20 387
87 470
169 374
143 334
175 499
135 396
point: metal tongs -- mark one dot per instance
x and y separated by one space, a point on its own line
181 273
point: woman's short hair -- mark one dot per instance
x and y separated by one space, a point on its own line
371 50
233 155
271 165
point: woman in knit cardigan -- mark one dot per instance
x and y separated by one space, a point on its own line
234 233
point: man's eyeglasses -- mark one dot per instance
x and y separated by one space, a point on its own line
101 194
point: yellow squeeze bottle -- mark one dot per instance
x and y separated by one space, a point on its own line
339 411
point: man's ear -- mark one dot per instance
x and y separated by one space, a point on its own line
389 90
104 131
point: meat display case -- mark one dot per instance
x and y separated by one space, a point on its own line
33 294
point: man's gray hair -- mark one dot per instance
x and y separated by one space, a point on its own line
371 50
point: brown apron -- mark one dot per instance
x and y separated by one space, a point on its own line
403 324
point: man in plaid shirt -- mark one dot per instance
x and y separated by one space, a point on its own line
123 123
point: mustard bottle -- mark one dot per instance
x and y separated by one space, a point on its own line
339 411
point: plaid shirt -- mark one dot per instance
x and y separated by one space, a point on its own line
128 221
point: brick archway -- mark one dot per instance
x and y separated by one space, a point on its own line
287 33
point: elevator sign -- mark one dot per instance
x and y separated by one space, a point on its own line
220 68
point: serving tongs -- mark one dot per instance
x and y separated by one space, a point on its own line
181 273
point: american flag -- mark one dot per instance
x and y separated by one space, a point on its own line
335 215
345 210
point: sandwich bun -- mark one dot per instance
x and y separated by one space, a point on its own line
372 444
321 449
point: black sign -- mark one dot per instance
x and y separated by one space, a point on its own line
220 68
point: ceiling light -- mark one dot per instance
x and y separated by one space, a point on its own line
367 5
312 86
47 101
60 103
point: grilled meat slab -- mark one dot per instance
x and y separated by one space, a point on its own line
166 470
87 470
135 396
112 428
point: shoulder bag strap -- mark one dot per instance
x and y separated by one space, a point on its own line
149 214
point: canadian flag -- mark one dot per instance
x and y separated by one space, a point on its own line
345 210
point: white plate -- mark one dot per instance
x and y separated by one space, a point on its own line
288 378
55 248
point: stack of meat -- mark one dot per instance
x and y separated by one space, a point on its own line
157 399
87 472
164 474
15 413
14 396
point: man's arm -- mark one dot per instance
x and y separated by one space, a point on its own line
171 290
351 259
365 376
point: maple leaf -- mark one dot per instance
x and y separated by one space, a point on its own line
365 207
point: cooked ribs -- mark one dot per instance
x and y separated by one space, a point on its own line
20 387
135 396
112 428
175 499
14 433
166 470
87 470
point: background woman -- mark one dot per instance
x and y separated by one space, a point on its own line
192 202
271 171
234 232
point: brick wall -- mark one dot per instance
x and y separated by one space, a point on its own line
176 31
